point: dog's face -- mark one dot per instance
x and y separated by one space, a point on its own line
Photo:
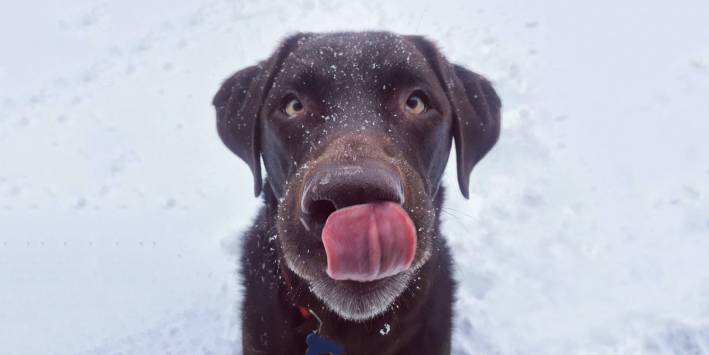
355 130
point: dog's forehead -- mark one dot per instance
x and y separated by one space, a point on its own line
355 54
355 44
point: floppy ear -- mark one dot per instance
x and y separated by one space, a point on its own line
237 109
476 125
475 108
238 104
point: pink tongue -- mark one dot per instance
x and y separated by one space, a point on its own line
368 242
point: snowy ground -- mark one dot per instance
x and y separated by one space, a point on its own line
587 231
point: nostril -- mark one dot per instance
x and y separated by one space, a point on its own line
340 185
321 209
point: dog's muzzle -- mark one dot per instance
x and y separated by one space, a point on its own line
366 233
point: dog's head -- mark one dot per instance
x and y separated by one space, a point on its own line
355 130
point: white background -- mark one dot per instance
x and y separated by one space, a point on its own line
587 231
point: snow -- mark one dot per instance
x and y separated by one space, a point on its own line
587 231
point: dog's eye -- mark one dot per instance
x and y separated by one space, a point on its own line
416 103
293 107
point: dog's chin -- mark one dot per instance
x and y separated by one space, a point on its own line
351 300
360 301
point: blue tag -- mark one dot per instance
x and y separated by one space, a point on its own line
318 345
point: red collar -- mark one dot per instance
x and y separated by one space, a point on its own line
317 344
304 311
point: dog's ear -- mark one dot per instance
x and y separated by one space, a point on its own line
475 108
238 104
476 126
236 119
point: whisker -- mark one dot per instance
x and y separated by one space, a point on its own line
453 212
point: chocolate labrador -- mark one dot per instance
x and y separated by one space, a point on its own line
354 130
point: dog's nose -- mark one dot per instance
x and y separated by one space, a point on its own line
340 185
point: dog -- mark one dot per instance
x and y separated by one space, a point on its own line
354 130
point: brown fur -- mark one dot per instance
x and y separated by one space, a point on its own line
353 86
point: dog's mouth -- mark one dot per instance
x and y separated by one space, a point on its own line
357 231
356 213
368 242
